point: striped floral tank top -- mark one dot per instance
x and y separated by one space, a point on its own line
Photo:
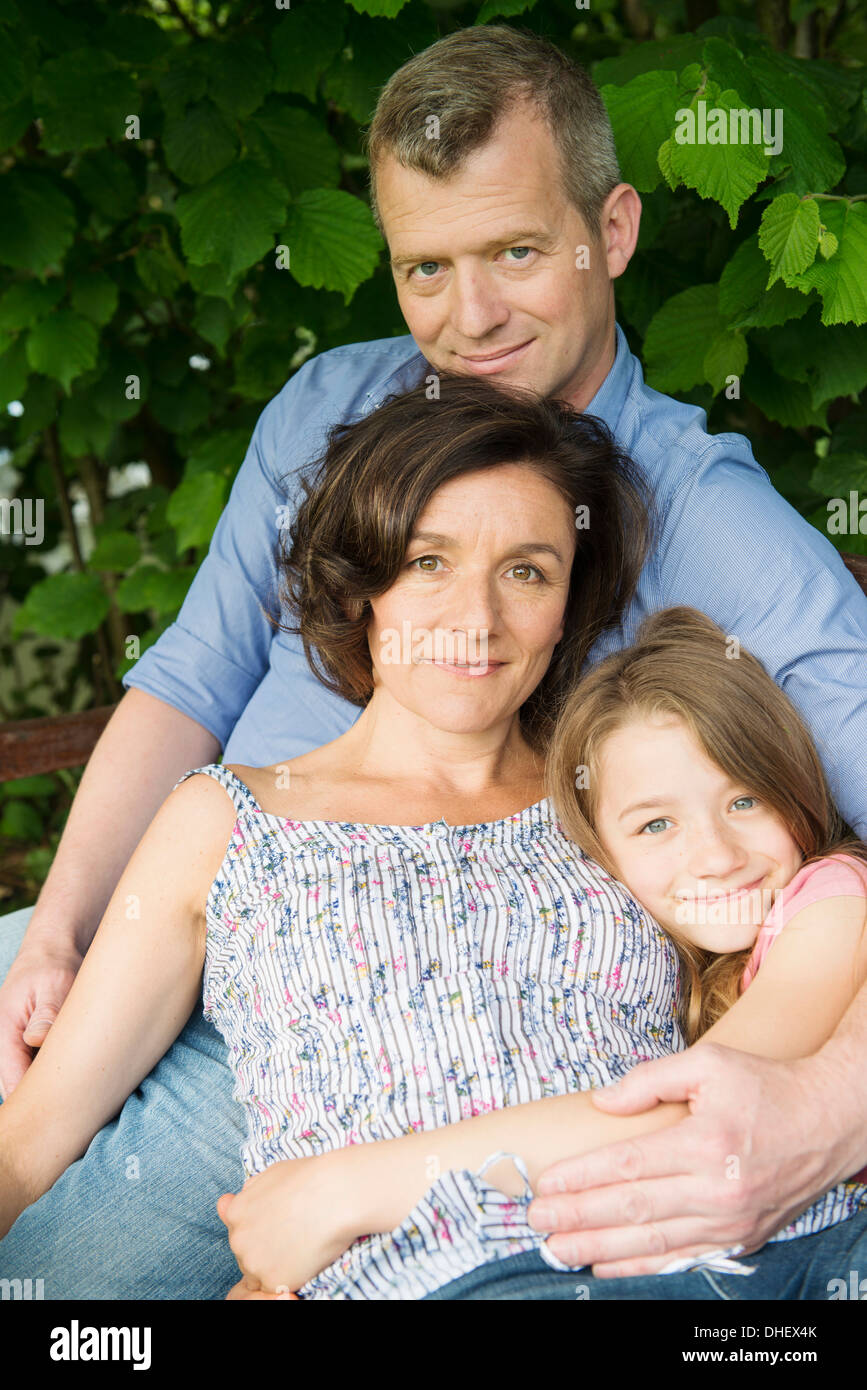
374 980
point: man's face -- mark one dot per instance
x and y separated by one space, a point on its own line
485 262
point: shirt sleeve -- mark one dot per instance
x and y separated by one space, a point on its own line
211 659
732 547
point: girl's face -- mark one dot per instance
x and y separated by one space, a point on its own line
702 854
467 631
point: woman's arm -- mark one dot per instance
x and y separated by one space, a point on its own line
808 980
135 990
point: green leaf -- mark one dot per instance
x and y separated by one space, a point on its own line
239 74
114 394
221 454
297 147
63 605
82 429
231 219
135 39
727 173
26 302
672 54
743 299
333 241
15 120
387 9
20 821
63 346
836 475
642 116
199 143
151 588
727 67
41 785
181 411
214 321
813 158
304 43
95 296
105 180
184 79
491 8
159 269
789 236
784 401
117 551
375 48
83 98
14 69
195 507
840 280
688 342
14 371
38 221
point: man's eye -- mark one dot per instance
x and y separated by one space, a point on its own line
525 249
432 265
655 826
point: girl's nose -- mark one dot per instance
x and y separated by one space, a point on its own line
715 854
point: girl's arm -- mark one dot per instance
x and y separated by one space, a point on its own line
134 992
810 976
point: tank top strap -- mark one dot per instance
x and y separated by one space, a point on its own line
242 798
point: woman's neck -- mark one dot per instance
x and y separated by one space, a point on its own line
391 743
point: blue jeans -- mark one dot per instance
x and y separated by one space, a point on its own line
136 1218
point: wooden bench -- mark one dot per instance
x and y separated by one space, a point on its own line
31 746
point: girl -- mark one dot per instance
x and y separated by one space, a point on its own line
683 769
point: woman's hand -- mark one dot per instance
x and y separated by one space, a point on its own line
289 1222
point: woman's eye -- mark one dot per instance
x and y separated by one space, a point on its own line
739 802
654 827
526 570
424 563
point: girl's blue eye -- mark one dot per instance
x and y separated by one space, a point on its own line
751 799
660 821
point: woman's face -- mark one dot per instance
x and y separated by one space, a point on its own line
704 855
466 632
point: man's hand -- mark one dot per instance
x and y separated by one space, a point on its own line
30 998
761 1143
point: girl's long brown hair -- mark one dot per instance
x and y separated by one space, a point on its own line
683 664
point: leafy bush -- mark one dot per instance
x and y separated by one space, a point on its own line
186 220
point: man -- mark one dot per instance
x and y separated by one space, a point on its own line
506 232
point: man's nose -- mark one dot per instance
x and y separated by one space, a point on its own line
476 308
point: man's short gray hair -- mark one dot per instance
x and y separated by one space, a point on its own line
468 81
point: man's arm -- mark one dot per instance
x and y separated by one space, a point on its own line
143 750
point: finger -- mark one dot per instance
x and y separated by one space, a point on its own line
621 1243
654 1264
665 1078
223 1205
15 1058
41 1019
623 1204
673 1152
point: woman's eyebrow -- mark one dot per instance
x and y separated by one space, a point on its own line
525 547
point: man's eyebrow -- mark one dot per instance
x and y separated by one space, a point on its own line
517 238
525 547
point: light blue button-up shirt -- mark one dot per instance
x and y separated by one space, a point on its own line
728 544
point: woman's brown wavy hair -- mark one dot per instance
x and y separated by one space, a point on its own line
683 664
349 538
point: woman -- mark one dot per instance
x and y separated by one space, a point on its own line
399 944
